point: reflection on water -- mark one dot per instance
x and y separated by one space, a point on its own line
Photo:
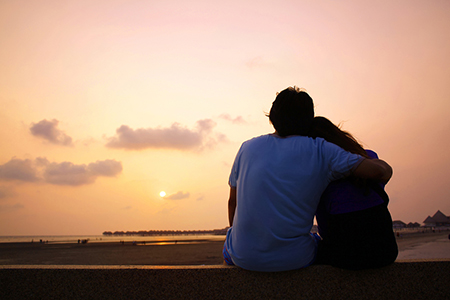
175 242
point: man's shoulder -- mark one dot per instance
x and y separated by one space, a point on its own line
257 139
274 139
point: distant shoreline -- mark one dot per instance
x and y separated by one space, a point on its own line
106 239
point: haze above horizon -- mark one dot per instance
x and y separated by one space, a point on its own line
105 104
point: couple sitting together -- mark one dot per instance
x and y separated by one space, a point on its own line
308 167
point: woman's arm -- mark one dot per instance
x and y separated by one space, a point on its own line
231 205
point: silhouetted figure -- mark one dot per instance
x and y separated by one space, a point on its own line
353 219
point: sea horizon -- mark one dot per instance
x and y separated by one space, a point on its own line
102 238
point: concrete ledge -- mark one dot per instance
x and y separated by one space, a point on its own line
427 279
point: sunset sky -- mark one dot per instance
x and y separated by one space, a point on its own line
104 104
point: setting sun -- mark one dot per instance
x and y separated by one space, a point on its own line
162 193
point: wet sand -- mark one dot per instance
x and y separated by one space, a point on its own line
201 253
424 246
414 246
408 241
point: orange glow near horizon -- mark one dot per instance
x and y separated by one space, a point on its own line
106 103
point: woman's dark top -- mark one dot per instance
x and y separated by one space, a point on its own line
355 225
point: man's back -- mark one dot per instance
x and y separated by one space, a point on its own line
279 182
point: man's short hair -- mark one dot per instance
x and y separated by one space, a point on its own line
292 112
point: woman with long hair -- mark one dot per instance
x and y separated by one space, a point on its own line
353 219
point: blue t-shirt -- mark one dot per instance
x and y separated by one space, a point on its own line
279 182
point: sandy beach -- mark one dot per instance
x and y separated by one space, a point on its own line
414 246
201 253
424 246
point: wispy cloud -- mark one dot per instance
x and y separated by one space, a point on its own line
108 168
236 120
178 196
255 62
5 192
174 137
11 207
64 173
48 130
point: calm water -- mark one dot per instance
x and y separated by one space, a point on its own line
101 238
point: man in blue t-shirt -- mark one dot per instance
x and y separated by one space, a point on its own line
275 185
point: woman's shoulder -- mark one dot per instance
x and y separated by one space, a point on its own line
372 154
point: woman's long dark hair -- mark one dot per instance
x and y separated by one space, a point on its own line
324 128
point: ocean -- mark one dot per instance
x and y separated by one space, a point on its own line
102 238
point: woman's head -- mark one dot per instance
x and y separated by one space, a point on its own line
292 112
324 128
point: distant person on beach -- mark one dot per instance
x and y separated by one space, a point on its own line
353 218
275 186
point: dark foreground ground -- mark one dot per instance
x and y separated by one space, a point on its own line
426 280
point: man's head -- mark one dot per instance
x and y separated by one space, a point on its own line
292 112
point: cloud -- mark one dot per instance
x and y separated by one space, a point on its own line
237 120
17 169
11 207
178 196
107 168
64 173
67 173
48 131
173 137
205 125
